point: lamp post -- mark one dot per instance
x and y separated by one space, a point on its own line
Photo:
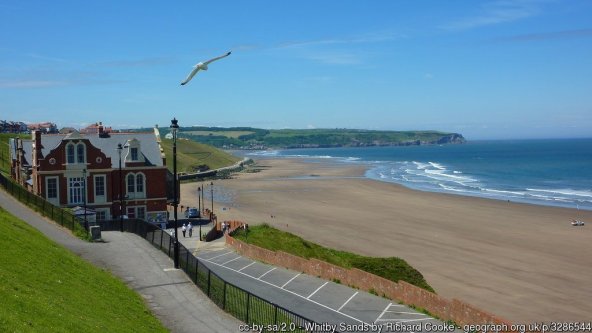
119 149
174 129
212 192
84 198
199 200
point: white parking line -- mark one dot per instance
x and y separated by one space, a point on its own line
262 275
319 288
231 260
217 256
349 299
291 292
253 263
382 313
411 313
410 320
290 280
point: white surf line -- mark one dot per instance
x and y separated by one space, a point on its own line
293 293
319 288
217 256
231 260
262 275
349 299
297 275
383 312
253 263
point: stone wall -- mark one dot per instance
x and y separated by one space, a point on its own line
458 311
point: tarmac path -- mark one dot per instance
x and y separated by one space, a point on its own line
169 293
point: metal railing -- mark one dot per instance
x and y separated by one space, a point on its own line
240 303
39 204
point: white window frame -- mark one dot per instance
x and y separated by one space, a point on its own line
132 186
76 191
134 153
104 211
70 157
53 200
100 198
80 159
134 212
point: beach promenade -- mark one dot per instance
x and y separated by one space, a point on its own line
523 262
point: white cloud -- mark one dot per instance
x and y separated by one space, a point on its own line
335 58
26 84
497 12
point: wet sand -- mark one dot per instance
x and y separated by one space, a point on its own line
523 262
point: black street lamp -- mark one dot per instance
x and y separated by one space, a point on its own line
119 149
199 200
203 191
84 198
174 129
212 191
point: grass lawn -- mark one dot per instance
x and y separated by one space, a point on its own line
46 288
191 155
392 268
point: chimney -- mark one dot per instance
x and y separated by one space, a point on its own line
37 154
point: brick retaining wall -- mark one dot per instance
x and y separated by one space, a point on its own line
458 311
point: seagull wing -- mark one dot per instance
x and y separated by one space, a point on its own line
217 58
191 75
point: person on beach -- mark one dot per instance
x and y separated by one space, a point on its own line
183 229
190 228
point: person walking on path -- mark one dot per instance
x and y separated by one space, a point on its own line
183 229
190 228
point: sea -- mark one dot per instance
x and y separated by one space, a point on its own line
555 172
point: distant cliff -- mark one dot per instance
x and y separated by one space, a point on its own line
255 138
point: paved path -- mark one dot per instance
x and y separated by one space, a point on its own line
339 307
171 296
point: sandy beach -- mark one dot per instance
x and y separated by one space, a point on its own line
523 262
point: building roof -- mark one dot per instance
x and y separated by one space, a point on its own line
108 145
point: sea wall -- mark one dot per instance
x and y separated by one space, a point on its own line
456 310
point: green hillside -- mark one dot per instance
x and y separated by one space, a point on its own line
46 288
256 138
273 239
193 156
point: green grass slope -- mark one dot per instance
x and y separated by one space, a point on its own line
392 268
191 155
46 288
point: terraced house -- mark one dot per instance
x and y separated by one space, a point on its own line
75 169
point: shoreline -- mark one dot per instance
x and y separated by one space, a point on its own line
520 261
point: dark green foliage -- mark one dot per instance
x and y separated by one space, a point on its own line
392 268
311 138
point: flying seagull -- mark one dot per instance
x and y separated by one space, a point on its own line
202 66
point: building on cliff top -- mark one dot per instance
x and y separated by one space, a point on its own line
69 170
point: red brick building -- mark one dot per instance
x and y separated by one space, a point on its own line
74 169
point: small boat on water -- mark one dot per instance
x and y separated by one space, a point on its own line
577 223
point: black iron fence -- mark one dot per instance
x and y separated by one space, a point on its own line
39 204
238 302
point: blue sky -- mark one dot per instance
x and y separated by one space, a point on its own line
487 69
